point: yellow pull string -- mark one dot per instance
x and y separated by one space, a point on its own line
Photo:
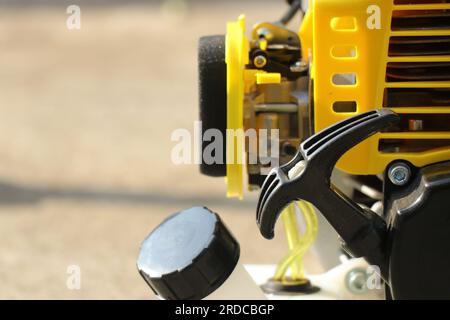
294 238
298 245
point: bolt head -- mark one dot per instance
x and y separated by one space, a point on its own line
399 174
260 61
356 281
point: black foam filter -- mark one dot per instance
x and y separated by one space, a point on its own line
213 96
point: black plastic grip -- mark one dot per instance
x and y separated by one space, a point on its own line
362 230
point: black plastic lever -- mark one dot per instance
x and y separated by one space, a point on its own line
362 230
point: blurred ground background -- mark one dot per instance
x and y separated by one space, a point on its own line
85 124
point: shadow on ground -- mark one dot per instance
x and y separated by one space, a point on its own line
14 194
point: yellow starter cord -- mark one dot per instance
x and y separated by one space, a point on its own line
298 245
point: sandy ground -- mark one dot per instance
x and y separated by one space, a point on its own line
85 168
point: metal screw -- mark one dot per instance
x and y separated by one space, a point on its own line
299 66
399 174
260 61
356 281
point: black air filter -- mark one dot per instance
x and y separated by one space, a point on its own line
213 95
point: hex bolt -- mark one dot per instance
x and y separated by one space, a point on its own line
399 174
299 66
356 281
260 61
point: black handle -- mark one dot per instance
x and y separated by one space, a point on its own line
362 230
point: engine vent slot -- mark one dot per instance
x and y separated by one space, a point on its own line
422 122
416 97
417 82
420 20
418 71
411 145
345 106
419 46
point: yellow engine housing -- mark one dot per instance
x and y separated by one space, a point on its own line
336 37
347 37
